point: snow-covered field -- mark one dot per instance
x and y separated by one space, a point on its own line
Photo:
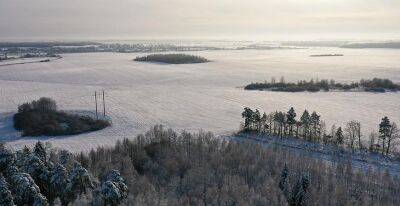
197 96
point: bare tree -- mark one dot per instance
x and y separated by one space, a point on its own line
353 134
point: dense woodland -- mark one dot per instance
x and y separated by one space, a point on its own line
172 58
163 167
45 176
41 117
310 127
374 85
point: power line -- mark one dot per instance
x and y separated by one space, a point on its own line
95 99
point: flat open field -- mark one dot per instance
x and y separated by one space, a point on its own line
196 96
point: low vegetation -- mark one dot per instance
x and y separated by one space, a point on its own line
310 127
41 117
374 85
172 58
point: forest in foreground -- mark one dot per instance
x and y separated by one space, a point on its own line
163 167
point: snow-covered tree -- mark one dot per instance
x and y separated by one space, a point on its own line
283 182
6 199
65 157
299 192
58 184
7 158
114 189
40 151
25 189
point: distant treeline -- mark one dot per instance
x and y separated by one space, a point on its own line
172 58
44 44
41 117
383 45
310 127
374 85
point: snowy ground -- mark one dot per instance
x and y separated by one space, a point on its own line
197 96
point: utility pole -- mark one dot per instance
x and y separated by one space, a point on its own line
95 99
104 106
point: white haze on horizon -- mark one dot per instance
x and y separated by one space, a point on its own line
206 19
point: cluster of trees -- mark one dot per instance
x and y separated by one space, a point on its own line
163 167
310 127
45 176
374 85
41 117
172 58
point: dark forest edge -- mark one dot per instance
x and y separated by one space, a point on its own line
41 117
172 58
374 85
310 127
186 169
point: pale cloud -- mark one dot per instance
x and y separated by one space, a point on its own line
40 19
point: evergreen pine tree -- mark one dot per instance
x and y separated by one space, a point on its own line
315 122
339 136
247 114
6 199
283 183
40 151
291 119
114 189
384 130
305 122
299 192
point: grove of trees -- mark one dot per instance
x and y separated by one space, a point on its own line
41 117
310 127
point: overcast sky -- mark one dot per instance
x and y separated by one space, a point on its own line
217 19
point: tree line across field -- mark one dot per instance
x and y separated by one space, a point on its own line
374 85
310 127
41 117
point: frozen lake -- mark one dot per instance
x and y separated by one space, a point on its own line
197 96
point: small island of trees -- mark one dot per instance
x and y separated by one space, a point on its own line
41 117
374 85
172 58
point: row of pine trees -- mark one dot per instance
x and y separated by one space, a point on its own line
310 127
